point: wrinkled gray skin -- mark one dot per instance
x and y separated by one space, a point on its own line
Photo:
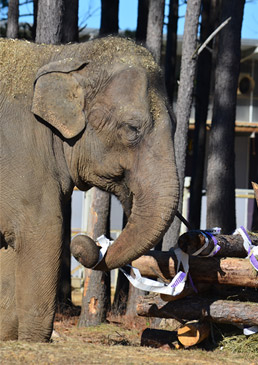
84 115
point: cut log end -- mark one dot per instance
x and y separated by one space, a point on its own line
192 241
193 333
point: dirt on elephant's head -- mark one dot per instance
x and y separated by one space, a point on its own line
19 62
109 49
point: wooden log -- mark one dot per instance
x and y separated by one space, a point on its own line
193 333
230 271
230 245
255 187
220 311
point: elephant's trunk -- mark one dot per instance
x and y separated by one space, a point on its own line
154 186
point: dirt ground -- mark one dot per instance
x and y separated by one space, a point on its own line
116 342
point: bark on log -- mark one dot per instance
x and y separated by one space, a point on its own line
255 187
230 271
230 245
220 311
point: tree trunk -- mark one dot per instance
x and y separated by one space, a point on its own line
133 296
255 210
255 187
184 104
13 19
121 295
155 28
221 159
220 311
70 22
122 287
171 48
35 15
253 163
228 271
142 21
204 67
96 296
109 17
50 21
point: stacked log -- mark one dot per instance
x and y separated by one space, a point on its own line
230 271
219 311
228 268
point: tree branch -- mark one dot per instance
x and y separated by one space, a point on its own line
201 48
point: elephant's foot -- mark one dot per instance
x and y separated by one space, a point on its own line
85 250
35 329
8 325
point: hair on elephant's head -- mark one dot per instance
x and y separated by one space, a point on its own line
117 129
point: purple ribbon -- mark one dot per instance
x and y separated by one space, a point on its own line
179 280
252 258
216 245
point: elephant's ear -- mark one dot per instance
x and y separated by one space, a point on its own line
59 98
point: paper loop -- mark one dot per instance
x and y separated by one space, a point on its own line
249 247
175 287
207 234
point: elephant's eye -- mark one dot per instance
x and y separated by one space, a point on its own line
133 129
130 133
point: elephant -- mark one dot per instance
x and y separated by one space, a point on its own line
86 114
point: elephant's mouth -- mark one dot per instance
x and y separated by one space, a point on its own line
125 196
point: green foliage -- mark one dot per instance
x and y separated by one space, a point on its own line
240 343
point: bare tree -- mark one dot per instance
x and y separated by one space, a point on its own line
253 176
221 159
142 20
122 288
210 15
35 15
50 21
171 49
184 103
70 21
13 19
96 297
109 17
155 28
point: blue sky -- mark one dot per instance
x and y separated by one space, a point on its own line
128 16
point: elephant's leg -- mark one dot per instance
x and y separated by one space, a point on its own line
37 274
8 316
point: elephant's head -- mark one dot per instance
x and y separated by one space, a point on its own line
117 130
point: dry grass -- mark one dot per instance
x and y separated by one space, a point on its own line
113 343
